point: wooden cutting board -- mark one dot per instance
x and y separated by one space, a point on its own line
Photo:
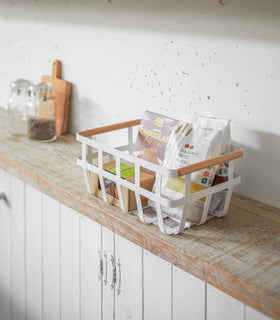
61 93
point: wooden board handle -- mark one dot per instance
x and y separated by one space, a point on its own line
56 69
210 162
111 127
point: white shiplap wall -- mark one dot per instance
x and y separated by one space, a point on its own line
173 57
50 265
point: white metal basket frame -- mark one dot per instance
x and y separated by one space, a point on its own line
185 201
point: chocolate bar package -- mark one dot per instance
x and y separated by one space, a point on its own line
153 137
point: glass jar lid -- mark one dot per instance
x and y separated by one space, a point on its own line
37 88
20 84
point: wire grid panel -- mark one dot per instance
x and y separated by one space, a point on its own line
167 224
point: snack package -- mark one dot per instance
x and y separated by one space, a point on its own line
153 137
178 133
206 138
127 173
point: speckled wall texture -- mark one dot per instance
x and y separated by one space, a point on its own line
175 57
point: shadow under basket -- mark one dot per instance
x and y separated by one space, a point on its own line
141 192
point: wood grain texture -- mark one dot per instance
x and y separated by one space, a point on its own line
61 93
210 162
239 253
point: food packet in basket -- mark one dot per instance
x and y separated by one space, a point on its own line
182 130
218 199
205 139
153 137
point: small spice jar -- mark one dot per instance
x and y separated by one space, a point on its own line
42 113
17 107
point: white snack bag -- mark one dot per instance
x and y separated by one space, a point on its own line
181 130
206 138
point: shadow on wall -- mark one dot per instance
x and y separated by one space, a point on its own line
82 109
255 19
261 167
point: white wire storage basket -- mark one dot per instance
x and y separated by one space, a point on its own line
95 153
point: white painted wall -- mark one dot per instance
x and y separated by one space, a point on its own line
171 56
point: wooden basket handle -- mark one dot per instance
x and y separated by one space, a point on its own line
181 171
112 127
210 162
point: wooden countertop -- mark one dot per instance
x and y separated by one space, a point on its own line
239 253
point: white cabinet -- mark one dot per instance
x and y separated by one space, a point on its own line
5 247
188 296
59 264
18 253
171 293
129 284
91 284
33 253
70 247
221 306
109 275
122 278
252 314
51 257
157 288
52 260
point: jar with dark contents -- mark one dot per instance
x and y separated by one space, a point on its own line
42 113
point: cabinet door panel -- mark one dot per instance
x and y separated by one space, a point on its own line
33 253
221 306
5 249
90 284
128 304
252 314
70 264
157 288
18 249
51 258
188 296
108 304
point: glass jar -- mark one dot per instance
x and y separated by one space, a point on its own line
42 113
35 93
17 107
